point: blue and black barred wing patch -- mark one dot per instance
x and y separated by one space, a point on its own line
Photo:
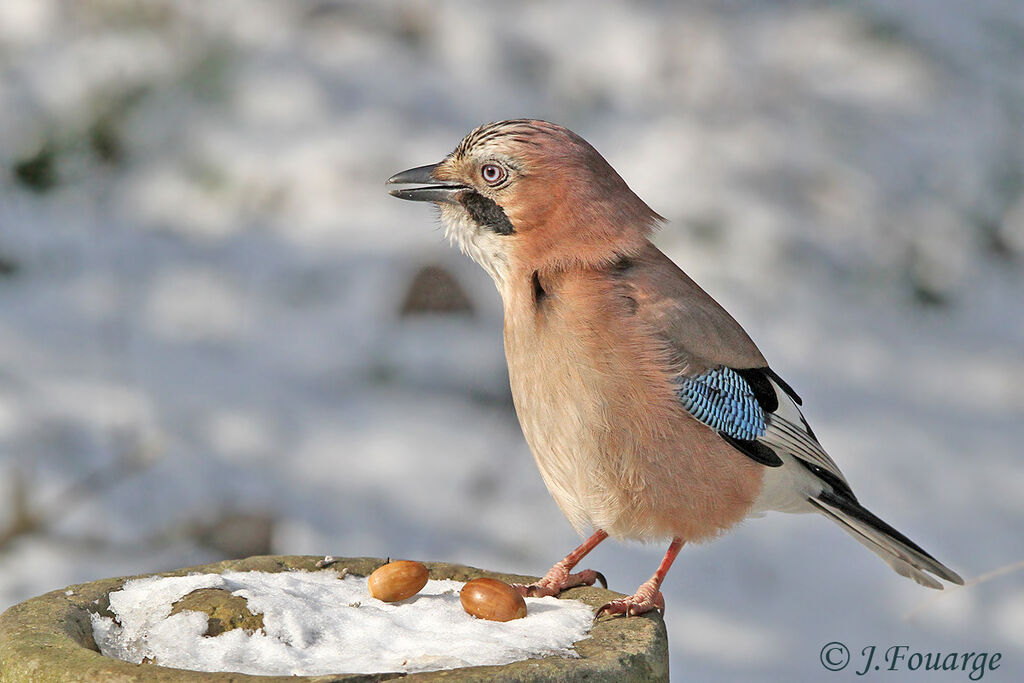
723 399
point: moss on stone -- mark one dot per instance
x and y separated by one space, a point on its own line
224 611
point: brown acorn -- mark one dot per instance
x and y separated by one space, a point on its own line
492 600
397 580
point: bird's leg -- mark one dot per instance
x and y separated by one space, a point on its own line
648 596
558 577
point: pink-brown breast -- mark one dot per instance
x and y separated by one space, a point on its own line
594 391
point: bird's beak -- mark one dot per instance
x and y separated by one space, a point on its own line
433 190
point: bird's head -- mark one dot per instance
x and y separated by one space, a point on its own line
534 193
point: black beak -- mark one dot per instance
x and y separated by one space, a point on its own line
433 190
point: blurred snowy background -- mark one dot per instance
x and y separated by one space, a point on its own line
219 335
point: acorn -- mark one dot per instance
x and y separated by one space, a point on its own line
397 580
493 600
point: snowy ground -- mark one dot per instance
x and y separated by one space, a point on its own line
201 273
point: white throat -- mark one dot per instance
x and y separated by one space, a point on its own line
486 247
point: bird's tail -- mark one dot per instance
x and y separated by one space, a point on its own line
898 551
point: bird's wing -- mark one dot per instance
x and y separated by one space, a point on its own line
723 379
724 382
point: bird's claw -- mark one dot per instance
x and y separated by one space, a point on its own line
553 585
632 606
534 590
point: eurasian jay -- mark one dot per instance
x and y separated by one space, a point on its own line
649 411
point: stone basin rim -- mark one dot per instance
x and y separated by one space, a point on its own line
48 638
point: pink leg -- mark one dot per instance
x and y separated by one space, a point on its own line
558 577
648 596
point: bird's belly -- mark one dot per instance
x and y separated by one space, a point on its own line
614 450
556 426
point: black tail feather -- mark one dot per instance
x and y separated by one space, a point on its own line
899 552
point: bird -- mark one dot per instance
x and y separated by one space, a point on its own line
650 412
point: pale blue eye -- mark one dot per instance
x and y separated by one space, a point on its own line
492 174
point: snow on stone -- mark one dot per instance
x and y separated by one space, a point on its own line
316 624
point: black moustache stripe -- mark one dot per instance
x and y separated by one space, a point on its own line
486 213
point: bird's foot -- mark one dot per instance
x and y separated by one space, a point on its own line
646 598
557 580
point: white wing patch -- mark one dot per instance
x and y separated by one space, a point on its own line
787 488
788 433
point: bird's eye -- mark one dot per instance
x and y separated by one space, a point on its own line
492 174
